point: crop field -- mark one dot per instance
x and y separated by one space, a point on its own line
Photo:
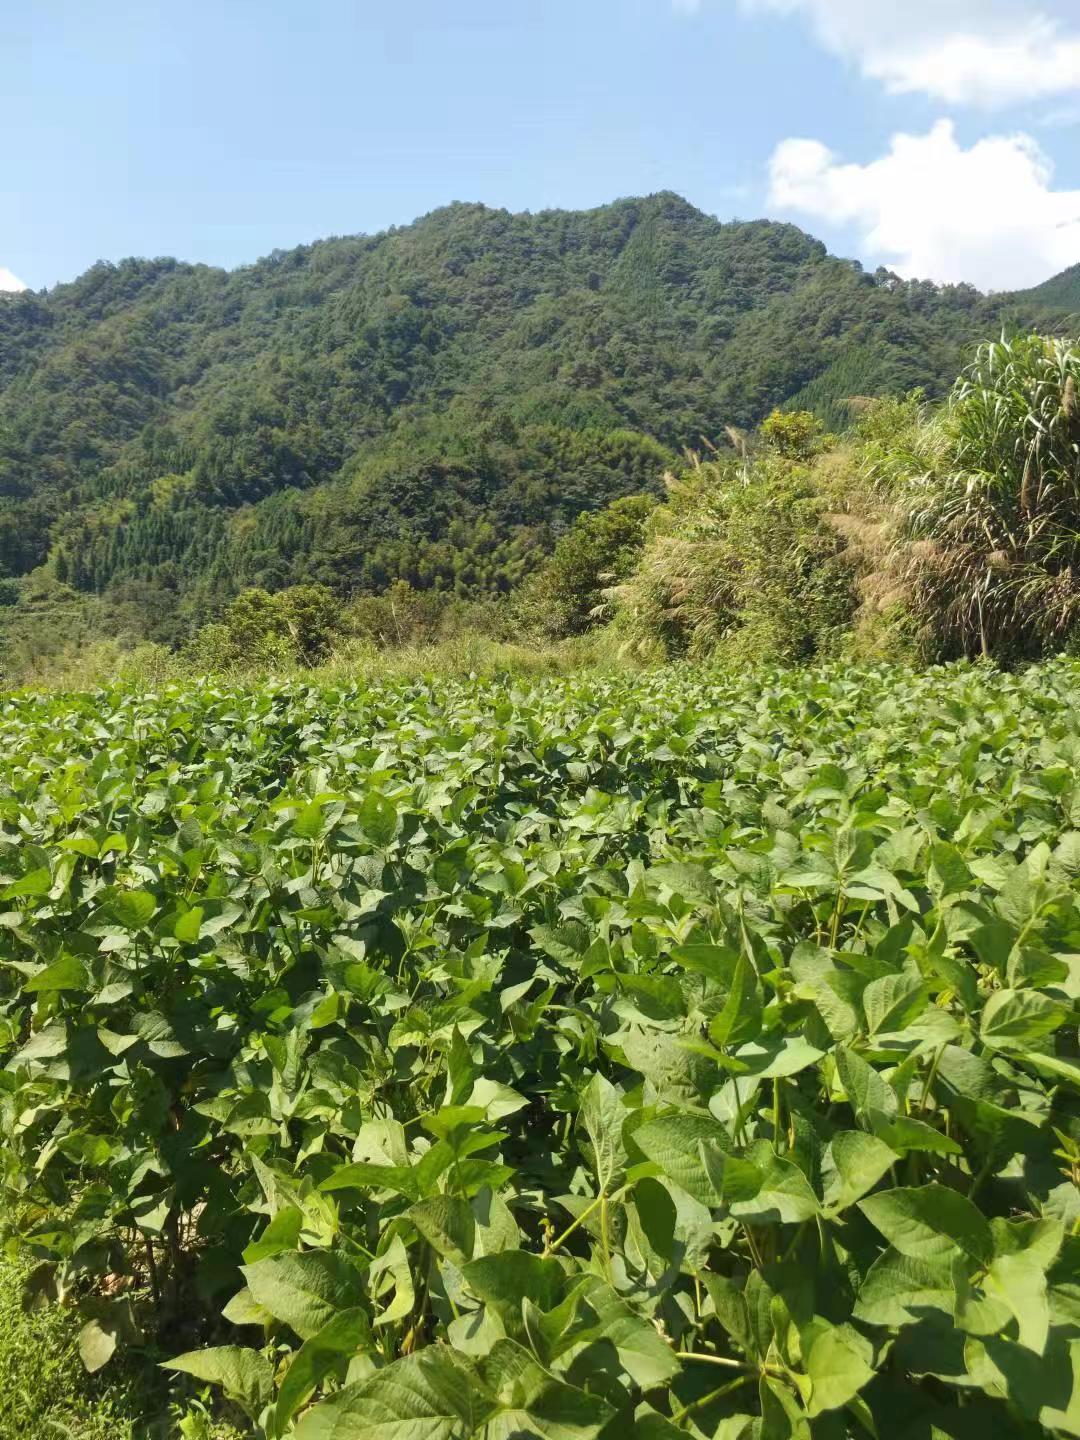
650 1056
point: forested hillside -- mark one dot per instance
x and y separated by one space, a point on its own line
435 403
1059 295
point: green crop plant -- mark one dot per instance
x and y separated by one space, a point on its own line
660 1055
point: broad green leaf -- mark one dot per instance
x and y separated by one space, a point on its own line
761 1186
304 1291
366 1176
893 1002
97 1345
674 1144
246 1376
782 1416
649 1424
729 1302
48 1043
740 1019
777 1057
652 1219
454 1120
1015 1018
67 973
717 962
308 824
929 1221
133 908
448 1225
1041 1388
899 1289
378 818
534 1402
692 883
550 1334
1059 1067
652 997
36 882
1060 1410
867 1091
504 1280
677 1074
948 873
853 1164
495 1227
339 1338
283 1233
839 1362
566 943
1017 1275
643 1354
189 925
433 1395
599 1123
391 1284
495 1099
242 1310
903 1133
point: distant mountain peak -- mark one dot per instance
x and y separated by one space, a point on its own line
1061 291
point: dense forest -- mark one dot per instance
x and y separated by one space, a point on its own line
434 405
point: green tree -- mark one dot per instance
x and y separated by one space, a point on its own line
259 631
793 434
567 596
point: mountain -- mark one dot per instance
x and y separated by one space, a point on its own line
435 402
1058 295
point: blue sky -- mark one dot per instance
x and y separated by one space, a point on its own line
936 136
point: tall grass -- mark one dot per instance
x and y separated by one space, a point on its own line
153 666
990 535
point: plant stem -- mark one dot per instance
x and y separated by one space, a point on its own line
739 1125
837 915
716 1360
799 1233
777 1109
752 1243
931 1077
604 1235
151 1265
555 1244
980 1178
712 1395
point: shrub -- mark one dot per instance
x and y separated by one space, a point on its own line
260 632
740 559
793 434
401 617
567 595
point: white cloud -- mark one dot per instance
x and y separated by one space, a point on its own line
979 52
928 208
8 281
